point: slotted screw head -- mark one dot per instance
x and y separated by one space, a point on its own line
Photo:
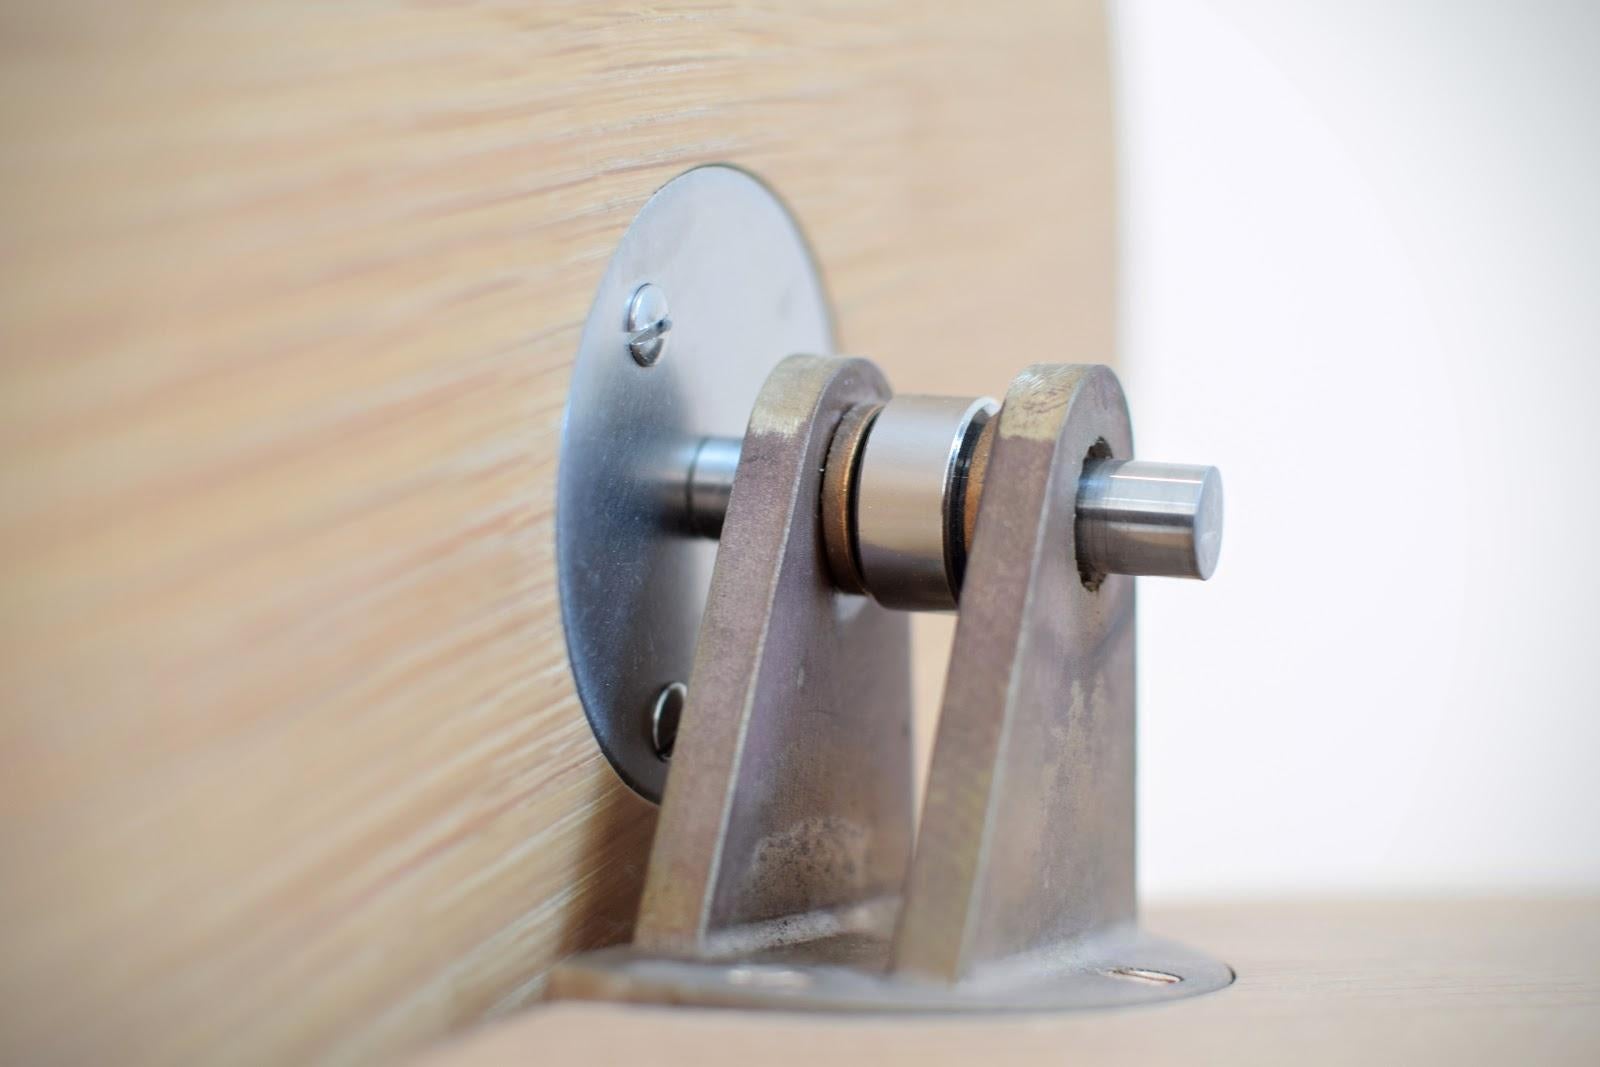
648 323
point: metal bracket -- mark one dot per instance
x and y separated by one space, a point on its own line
786 871
782 873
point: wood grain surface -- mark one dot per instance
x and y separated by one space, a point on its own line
1456 983
292 767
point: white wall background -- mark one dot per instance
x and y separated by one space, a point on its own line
1362 275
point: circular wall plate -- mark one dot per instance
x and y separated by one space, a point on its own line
732 276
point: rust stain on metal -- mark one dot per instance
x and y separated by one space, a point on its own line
1037 401
823 850
786 406
838 496
977 471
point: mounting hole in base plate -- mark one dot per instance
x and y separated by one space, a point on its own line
1142 974
721 251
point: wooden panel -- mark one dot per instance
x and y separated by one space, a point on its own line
1453 983
292 766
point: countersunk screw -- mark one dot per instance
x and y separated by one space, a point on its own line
647 324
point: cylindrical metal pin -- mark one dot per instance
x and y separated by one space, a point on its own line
1149 518
710 484
910 512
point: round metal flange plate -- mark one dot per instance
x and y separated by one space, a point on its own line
730 273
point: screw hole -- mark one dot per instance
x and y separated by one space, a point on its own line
664 718
1143 975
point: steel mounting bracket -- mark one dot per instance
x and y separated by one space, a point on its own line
788 870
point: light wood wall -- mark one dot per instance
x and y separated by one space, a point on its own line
291 765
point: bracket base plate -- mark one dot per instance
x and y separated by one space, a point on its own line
848 972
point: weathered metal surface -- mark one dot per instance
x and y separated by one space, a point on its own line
1028 826
839 479
791 788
